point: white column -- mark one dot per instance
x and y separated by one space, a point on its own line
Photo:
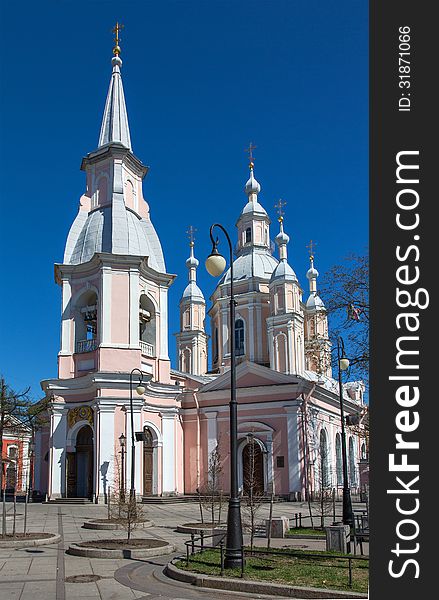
105 307
106 455
58 453
138 458
164 323
38 459
212 438
168 452
65 316
134 308
294 466
270 461
251 333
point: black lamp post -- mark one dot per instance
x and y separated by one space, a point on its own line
122 441
215 265
343 365
140 389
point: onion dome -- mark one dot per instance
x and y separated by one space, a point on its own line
192 292
314 301
283 269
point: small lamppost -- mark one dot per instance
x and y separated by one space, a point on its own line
343 365
122 442
215 265
140 389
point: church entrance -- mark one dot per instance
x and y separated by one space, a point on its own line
80 465
253 468
148 462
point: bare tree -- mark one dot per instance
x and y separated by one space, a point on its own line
253 494
211 495
125 510
345 289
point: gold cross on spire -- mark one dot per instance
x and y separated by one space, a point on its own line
191 234
311 247
249 150
280 209
116 30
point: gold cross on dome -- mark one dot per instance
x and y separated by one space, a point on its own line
191 234
311 247
249 150
280 208
117 39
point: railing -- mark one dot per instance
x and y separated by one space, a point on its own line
147 349
192 545
86 345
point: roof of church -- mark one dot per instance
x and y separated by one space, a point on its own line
256 263
94 232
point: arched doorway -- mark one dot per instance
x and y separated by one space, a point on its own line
148 462
253 468
80 465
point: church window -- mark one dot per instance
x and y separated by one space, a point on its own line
86 323
147 326
281 343
239 337
215 345
338 460
186 361
352 470
248 235
324 460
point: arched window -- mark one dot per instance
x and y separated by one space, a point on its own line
324 460
352 469
239 337
147 326
363 451
281 348
248 235
215 345
338 460
86 324
186 361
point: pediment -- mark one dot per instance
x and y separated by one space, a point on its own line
250 375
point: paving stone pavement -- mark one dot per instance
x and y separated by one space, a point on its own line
40 573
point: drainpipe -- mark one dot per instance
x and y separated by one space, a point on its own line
198 439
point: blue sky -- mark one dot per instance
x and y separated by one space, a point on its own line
201 80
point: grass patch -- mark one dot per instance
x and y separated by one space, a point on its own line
299 570
306 531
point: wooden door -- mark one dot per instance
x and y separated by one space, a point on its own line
71 474
148 464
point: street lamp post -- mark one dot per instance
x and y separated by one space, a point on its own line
122 440
215 265
140 389
343 365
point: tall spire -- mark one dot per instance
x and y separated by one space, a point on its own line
115 120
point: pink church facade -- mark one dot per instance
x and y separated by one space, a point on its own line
114 319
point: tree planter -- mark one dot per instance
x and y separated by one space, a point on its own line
197 528
121 548
107 524
31 539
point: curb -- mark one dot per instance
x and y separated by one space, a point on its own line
197 530
26 543
255 587
134 553
113 526
300 536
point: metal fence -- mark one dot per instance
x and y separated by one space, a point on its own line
197 545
